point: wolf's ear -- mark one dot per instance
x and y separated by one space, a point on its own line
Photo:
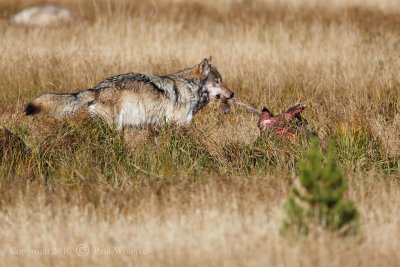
204 68
210 61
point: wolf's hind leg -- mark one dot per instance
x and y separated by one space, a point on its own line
98 110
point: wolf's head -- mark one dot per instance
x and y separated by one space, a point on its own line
211 81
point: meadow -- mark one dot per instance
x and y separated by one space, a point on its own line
78 192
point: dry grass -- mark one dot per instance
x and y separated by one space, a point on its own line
212 193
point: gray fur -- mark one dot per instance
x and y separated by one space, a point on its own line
135 99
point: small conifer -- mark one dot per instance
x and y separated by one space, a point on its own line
316 198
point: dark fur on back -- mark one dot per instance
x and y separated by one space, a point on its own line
158 83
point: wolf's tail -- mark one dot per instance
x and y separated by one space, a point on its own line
59 105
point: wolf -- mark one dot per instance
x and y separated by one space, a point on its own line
137 100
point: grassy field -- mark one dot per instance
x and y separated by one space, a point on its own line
77 192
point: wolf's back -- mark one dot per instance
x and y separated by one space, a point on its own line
59 105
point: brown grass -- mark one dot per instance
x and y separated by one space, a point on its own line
212 193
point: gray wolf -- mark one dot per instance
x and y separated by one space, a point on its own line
136 100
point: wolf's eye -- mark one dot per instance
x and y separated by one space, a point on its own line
218 81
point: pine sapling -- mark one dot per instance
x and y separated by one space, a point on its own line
316 198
